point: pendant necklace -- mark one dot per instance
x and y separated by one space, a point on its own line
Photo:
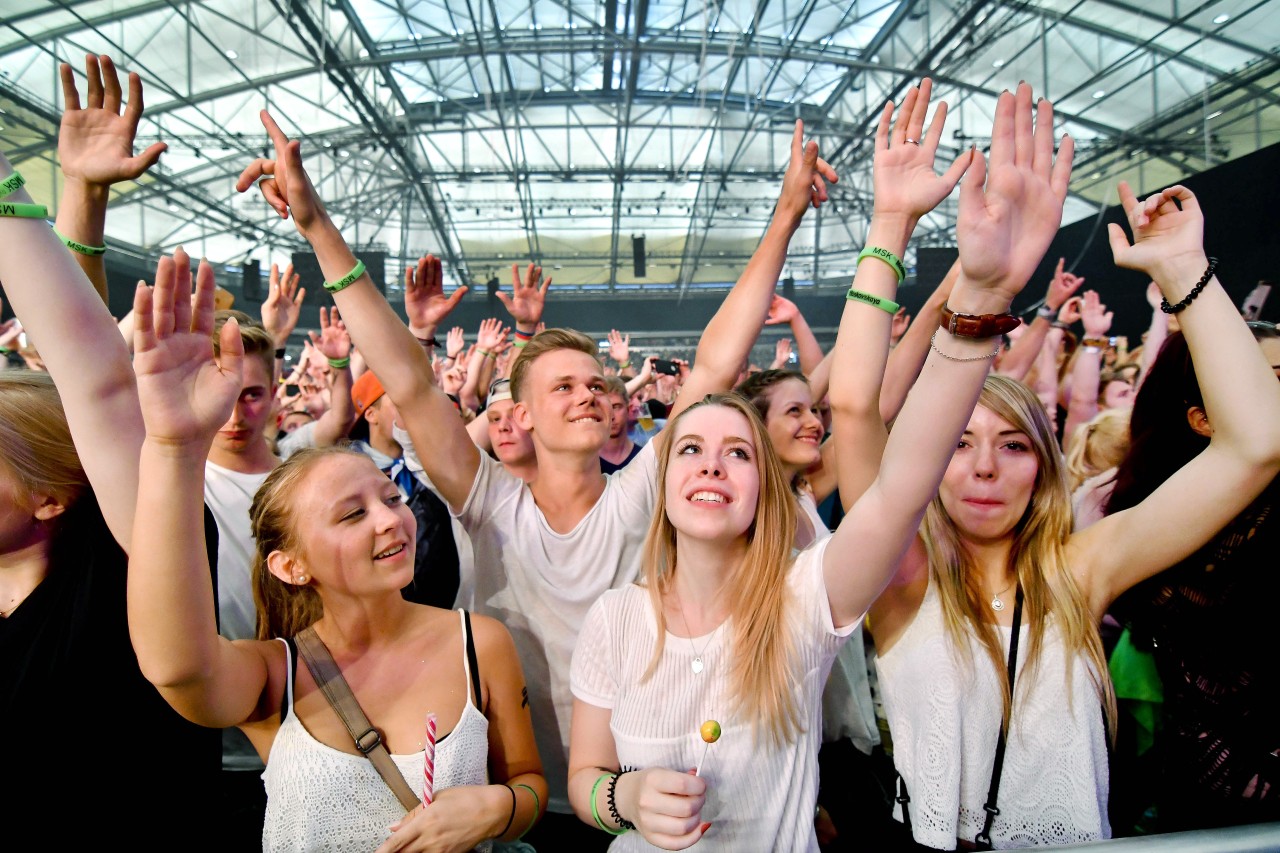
696 664
996 604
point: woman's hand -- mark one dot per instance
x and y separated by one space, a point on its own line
284 183
424 299
1062 286
185 395
283 306
333 342
458 820
805 181
665 805
492 335
905 184
1095 316
619 347
1011 208
95 142
528 298
1168 235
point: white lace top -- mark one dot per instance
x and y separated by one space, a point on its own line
320 798
945 718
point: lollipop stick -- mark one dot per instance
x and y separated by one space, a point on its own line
698 770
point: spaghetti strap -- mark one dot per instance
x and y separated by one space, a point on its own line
291 673
469 663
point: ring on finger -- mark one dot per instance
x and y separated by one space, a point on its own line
912 141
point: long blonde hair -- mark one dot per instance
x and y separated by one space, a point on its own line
35 441
760 672
1098 446
1038 557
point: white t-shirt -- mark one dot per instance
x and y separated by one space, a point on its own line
945 718
228 495
760 796
540 583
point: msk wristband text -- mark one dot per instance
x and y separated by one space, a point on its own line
887 257
347 280
23 211
11 184
877 301
80 248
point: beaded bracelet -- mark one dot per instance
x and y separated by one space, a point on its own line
1195 291
347 280
595 812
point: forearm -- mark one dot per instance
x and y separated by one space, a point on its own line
337 421
1046 376
1157 334
1018 361
530 790
907 358
82 216
469 394
1083 404
589 799
808 350
820 377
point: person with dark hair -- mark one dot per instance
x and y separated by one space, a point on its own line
1206 619
619 449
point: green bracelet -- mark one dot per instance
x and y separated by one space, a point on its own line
347 280
888 257
81 248
484 352
537 807
877 301
11 184
23 211
595 811
340 363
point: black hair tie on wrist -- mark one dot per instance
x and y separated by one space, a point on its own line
613 806
1195 291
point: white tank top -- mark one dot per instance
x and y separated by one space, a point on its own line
944 716
320 798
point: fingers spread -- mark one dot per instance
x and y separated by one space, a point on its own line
934 135
1061 177
133 110
110 86
882 129
93 75
70 96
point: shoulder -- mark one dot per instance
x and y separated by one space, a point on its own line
490 636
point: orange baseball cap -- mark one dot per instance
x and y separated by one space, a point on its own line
366 391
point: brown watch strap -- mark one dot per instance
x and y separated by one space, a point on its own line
977 325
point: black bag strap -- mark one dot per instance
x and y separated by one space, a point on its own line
367 739
983 838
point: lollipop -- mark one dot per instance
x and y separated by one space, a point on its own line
710 732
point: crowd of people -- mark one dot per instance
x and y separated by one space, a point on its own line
636 602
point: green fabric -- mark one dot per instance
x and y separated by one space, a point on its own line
1139 692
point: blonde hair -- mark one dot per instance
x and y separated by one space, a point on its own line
1099 446
284 609
257 340
1038 558
760 672
542 343
35 441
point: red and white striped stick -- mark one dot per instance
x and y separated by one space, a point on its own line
429 764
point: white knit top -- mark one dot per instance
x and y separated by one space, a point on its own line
760 797
321 798
945 718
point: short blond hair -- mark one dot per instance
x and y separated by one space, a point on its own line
542 343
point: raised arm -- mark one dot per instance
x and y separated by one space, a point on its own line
808 350
1087 372
1007 217
1018 362
727 341
906 359
527 300
388 346
1241 398
334 343
1157 333
186 396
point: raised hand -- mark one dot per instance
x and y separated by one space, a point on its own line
333 342
283 182
527 298
1062 286
781 353
1168 234
492 335
454 342
619 346
424 299
1071 311
805 181
781 310
283 306
1094 315
1011 208
905 182
184 393
95 141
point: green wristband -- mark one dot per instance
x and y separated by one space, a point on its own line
81 248
23 211
347 280
877 301
888 257
537 807
595 810
340 363
11 184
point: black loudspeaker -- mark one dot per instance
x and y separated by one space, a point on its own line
789 288
637 251
312 278
251 282
932 264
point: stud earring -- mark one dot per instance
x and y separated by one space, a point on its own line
301 579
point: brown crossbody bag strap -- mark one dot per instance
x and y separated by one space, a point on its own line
367 738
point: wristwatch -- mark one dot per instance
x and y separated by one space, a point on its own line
977 325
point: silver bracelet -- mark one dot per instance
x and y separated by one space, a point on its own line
934 346
1045 311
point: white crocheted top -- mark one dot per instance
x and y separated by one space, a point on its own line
320 798
944 716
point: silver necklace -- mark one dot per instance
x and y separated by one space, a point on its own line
996 604
696 664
